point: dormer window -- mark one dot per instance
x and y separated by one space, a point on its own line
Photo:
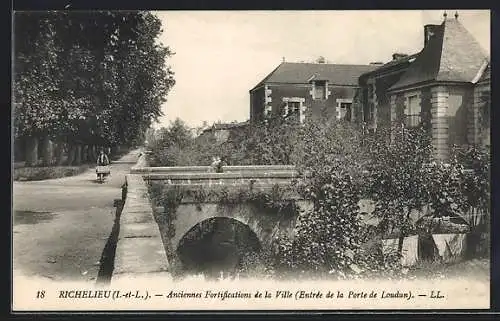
320 90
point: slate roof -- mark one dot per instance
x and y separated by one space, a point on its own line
486 74
393 64
452 54
301 73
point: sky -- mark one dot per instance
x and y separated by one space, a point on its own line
221 55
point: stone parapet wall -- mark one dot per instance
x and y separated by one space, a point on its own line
140 248
207 169
259 177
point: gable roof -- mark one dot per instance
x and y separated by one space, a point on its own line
302 73
399 63
452 54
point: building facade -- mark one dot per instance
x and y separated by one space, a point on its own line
445 87
222 131
307 90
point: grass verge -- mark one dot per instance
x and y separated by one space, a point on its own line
50 172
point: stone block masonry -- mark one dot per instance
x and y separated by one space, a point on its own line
140 248
440 126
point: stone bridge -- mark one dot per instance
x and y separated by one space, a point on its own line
201 192
151 235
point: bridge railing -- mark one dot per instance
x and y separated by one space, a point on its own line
260 177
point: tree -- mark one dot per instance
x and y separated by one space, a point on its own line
270 143
320 60
35 90
173 146
81 76
326 238
397 182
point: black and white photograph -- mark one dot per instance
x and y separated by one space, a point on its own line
250 160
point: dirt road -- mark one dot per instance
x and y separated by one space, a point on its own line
61 226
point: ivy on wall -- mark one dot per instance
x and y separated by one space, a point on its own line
274 205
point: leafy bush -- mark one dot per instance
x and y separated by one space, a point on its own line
257 264
169 148
476 182
271 143
395 181
327 237
341 164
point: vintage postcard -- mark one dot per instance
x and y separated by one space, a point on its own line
251 160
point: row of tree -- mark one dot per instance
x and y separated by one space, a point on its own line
85 80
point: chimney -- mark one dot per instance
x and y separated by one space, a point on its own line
396 56
429 31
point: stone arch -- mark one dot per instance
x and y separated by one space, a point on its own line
189 215
216 242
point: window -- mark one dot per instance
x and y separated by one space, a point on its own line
294 107
412 111
319 89
344 109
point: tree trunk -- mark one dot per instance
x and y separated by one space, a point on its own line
94 153
59 151
47 151
85 154
78 155
31 151
90 153
19 149
71 154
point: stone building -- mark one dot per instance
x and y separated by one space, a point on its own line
445 87
222 131
307 89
